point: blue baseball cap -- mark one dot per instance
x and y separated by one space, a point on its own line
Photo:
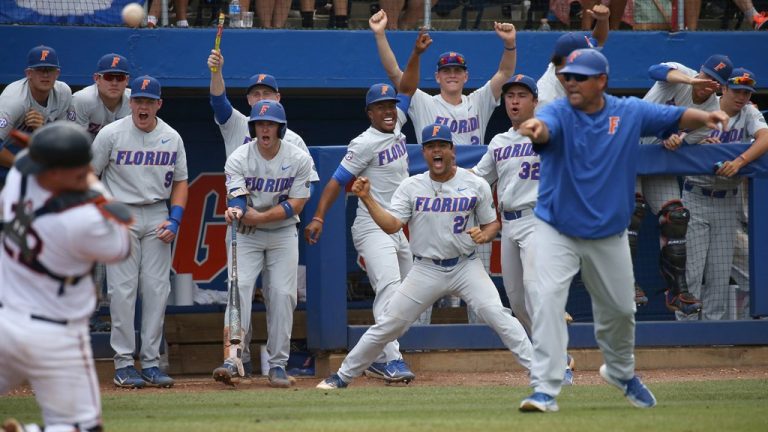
145 86
42 56
718 67
436 132
742 79
586 61
112 63
523 80
572 41
380 92
451 58
262 79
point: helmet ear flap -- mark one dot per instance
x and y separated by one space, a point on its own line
283 129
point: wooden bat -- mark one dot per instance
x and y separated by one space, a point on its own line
217 42
235 328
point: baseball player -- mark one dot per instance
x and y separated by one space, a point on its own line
676 85
56 228
588 144
466 116
380 155
449 210
551 85
107 99
142 162
234 130
33 101
714 201
268 184
511 163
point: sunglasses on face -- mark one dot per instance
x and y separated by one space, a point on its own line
577 77
742 80
113 77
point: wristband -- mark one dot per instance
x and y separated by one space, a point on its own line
511 49
318 219
288 209
177 212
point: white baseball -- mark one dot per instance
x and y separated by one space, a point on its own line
133 15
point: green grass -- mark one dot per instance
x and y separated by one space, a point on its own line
686 406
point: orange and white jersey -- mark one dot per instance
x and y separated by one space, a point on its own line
67 244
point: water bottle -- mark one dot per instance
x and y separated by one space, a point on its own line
235 20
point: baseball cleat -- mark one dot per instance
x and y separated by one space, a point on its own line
157 378
128 377
227 374
332 382
684 303
398 371
640 298
539 402
376 370
635 391
278 378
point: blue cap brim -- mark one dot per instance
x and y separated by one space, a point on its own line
144 95
713 74
387 98
25 165
580 70
43 64
741 87
120 71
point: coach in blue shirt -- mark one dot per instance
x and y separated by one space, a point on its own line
589 143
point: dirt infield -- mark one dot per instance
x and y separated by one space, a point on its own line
197 384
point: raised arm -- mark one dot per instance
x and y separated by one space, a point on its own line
508 35
600 13
216 60
409 82
378 23
384 219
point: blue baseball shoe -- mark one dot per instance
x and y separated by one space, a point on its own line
398 371
155 377
332 382
227 374
376 370
539 402
128 377
278 378
636 392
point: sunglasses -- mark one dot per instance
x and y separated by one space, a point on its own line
742 80
114 77
453 59
577 77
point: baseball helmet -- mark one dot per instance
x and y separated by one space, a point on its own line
60 144
436 132
380 92
268 110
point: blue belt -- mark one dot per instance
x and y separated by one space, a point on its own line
48 320
449 262
516 214
709 192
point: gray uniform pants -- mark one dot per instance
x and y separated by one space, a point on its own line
145 272
606 268
278 251
711 240
425 283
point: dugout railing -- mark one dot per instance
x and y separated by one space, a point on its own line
327 324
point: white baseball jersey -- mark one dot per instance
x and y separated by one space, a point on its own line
138 167
70 243
550 88
270 182
383 158
235 133
741 129
510 159
90 111
438 214
16 100
466 120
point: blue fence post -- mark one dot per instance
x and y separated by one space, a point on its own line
326 271
758 246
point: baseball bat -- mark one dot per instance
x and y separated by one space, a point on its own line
427 14
219 31
235 328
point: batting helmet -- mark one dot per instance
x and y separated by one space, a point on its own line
268 110
61 144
